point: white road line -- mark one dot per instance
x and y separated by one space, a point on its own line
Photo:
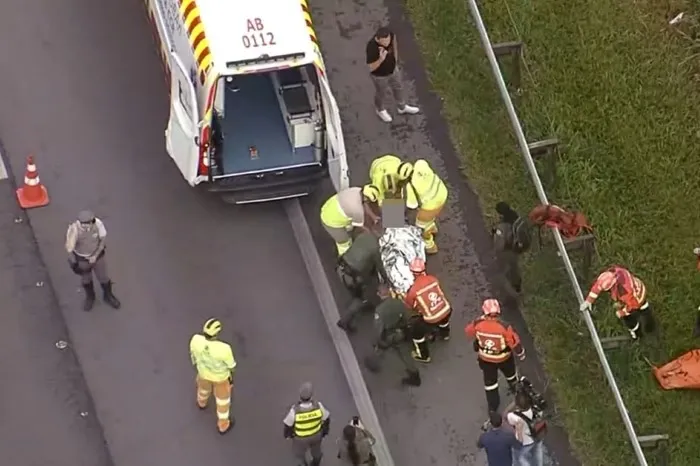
3 170
348 360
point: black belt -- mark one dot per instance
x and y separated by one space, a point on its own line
86 259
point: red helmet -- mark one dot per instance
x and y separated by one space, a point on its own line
417 265
607 280
490 307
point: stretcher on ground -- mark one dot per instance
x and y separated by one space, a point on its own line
397 248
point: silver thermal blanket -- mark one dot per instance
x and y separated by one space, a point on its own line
398 247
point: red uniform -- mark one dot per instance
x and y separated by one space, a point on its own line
628 292
426 297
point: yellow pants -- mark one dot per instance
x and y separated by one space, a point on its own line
222 393
425 220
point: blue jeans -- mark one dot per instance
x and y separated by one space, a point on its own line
530 455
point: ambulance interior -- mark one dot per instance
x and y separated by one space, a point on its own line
268 121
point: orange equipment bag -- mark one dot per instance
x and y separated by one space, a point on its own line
569 223
682 372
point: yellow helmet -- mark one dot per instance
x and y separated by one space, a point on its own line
371 192
405 171
212 327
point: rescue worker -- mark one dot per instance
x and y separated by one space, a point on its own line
215 366
426 192
307 423
356 269
495 341
350 208
428 300
511 237
629 296
86 247
384 173
392 320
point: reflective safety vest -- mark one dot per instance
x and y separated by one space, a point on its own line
332 213
381 167
494 340
426 296
426 190
307 421
213 358
628 291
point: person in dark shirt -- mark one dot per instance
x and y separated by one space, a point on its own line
498 442
382 58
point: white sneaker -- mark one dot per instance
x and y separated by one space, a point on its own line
408 109
384 115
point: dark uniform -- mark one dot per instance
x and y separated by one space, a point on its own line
511 237
392 321
357 268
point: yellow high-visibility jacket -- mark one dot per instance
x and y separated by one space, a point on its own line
213 358
381 167
426 190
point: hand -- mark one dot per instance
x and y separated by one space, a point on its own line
696 251
92 259
383 52
585 306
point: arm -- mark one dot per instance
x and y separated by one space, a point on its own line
395 46
479 442
594 292
102 232
513 342
192 353
470 329
326 426
230 361
375 57
71 239
289 423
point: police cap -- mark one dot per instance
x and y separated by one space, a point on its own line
306 391
86 216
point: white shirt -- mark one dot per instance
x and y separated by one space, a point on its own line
522 430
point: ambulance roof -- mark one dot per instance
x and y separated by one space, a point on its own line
249 30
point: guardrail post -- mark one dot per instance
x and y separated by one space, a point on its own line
610 343
547 150
514 50
657 443
586 244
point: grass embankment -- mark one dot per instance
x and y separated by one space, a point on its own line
618 86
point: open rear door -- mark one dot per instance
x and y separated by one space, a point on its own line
182 134
337 160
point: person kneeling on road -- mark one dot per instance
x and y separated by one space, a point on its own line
307 423
357 268
428 300
349 209
391 324
495 341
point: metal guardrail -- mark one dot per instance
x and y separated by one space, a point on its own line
525 149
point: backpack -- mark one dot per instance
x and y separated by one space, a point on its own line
569 223
537 426
521 235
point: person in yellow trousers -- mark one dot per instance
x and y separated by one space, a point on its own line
349 209
425 191
215 365
386 173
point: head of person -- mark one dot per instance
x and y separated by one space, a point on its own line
306 392
495 419
349 433
522 401
491 308
506 212
607 280
383 36
86 219
370 194
212 328
417 266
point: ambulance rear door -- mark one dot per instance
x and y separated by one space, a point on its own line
182 136
337 160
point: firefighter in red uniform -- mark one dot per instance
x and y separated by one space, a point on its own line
630 299
495 341
428 300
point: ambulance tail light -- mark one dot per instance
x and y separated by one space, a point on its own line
204 142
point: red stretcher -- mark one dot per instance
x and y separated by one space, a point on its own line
681 373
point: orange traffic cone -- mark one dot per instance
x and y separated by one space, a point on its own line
33 193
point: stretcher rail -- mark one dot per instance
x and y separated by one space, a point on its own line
527 156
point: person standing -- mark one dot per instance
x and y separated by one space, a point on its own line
355 446
86 247
307 423
427 193
382 55
498 442
530 453
215 365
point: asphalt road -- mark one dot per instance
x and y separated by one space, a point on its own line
83 90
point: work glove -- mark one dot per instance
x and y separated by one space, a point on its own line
585 306
696 251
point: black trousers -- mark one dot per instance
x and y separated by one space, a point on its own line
490 371
421 332
640 321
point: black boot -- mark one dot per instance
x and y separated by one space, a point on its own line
89 296
421 352
109 297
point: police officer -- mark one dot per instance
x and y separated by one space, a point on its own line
357 268
307 423
85 244
511 237
392 322
215 364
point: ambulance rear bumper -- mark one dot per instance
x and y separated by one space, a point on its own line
268 187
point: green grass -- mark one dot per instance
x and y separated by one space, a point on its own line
620 87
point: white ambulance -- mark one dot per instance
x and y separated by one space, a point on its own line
252 115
